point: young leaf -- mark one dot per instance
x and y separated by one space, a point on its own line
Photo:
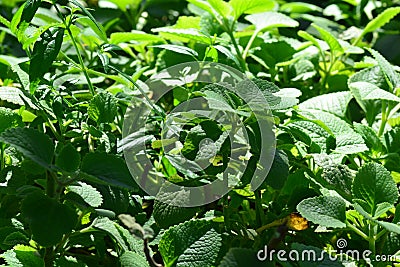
178 49
334 45
48 219
326 211
134 36
103 108
33 144
193 243
30 8
373 185
268 20
381 20
392 77
251 6
45 52
221 7
90 16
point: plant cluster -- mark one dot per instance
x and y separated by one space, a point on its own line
69 71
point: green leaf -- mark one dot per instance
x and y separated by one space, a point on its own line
68 159
221 7
103 108
374 185
48 219
279 170
193 243
369 91
299 7
239 257
135 37
339 178
251 6
9 119
178 49
107 169
16 19
370 137
311 134
380 20
391 227
88 193
30 8
133 259
45 52
108 226
335 103
171 212
268 20
125 4
326 211
15 95
392 77
90 16
334 45
347 140
21 256
33 144
184 35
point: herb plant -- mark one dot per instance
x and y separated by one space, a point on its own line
70 71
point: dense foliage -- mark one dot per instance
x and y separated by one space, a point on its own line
70 69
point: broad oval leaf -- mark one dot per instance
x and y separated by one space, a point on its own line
267 20
193 243
374 185
45 52
103 107
335 103
48 219
88 193
326 211
33 144
107 169
251 6
369 91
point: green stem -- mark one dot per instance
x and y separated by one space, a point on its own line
357 231
49 257
50 184
238 53
260 219
81 63
384 118
249 44
371 238
2 157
